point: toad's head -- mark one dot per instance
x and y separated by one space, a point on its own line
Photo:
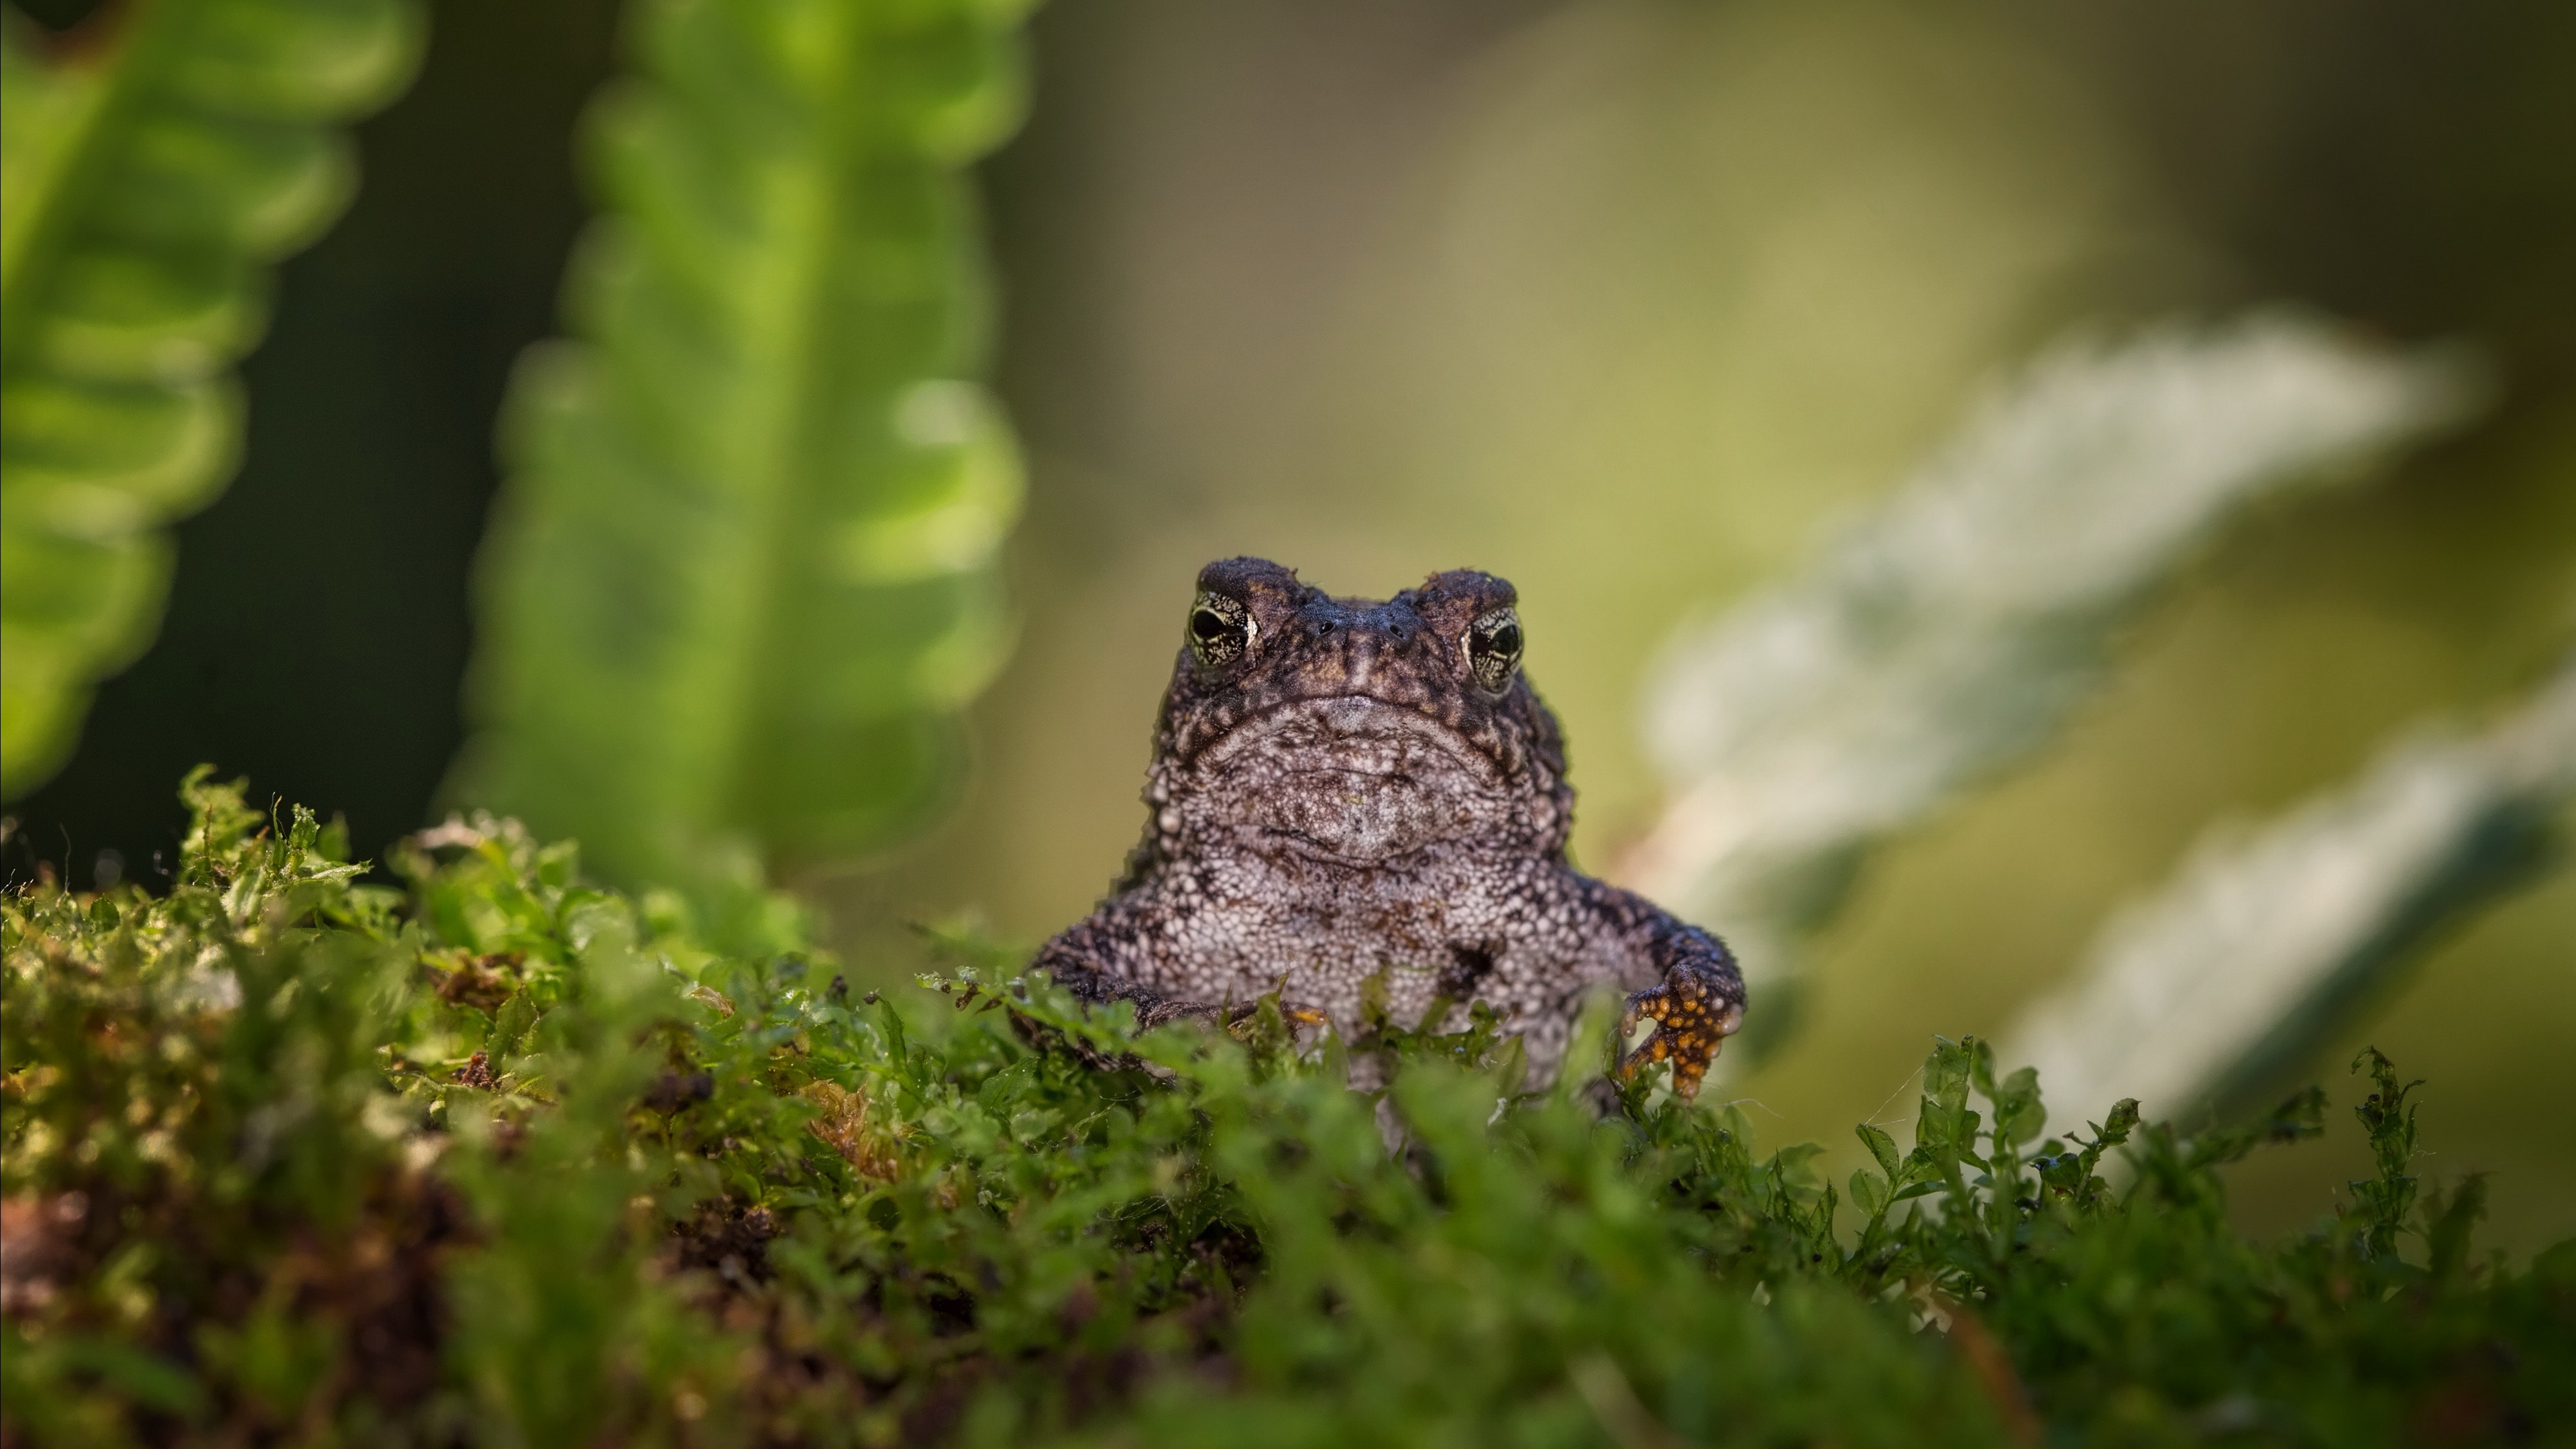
1356 731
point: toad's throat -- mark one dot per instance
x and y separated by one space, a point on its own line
1359 818
1392 788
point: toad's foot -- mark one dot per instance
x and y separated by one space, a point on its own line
1240 1020
1695 1009
1094 987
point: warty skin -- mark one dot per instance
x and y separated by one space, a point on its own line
1346 787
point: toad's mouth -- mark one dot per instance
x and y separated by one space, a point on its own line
1351 734
1350 778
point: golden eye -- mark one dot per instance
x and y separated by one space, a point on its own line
1494 649
1220 630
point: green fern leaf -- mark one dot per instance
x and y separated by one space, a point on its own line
146 180
741 576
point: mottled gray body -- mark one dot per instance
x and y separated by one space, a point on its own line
1343 788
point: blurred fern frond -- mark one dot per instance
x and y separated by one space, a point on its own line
2220 986
149 172
740 576
1949 632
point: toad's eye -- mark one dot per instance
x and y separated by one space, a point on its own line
1220 630
1494 649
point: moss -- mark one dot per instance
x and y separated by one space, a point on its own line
502 1158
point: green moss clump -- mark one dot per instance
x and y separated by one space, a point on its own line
503 1159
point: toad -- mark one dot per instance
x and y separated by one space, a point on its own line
1345 789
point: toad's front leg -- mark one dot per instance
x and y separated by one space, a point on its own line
1699 1000
1100 959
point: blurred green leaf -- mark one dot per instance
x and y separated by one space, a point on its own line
149 173
2220 987
741 575
1946 636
